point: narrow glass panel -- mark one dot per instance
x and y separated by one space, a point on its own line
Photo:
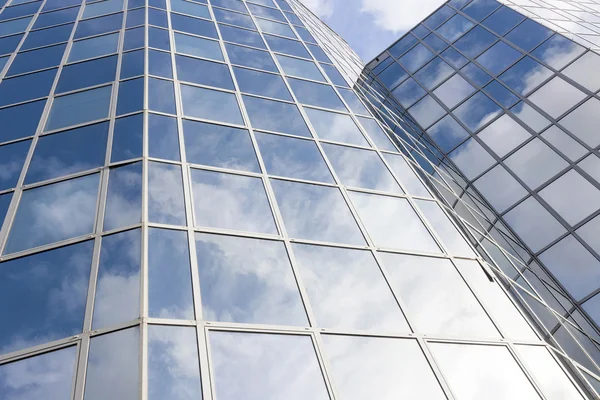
161 96
588 233
232 18
124 197
157 38
242 202
261 83
132 64
248 281
173 367
336 127
393 223
5 200
47 375
316 94
200 47
102 7
188 7
478 371
210 104
436 299
12 158
219 146
279 367
85 74
127 138
316 213
503 135
347 290
73 207
275 116
275 28
169 279
118 287
51 290
94 47
163 138
20 121
68 152
380 368
165 194
78 108
14 26
113 366
203 72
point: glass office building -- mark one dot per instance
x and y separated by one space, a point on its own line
196 204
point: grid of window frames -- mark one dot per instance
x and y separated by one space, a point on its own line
195 205
536 144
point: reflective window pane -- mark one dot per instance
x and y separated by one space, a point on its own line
20 121
453 91
427 111
315 94
210 104
165 194
261 83
242 202
337 127
582 122
416 58
193 25
124 197
12 158
250 58
511 192
85 74
535 163
558 105
529 34
472 158
78 108
287 46
408 178
525 75
163 138
581 71
447 133
503 135
203 72
558 51
127 138
301 68
26 87
36 59
475 42
248 281
477 111
200 47
275 116
241 36
95 47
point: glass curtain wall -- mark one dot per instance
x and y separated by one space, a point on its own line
195 204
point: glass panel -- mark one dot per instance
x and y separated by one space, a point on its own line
210 104
26 87
316 94
94 47
471 158
408 177
475 42
293 158
173 371
301 68
169 279
496 178
219 146
498 57
427 111
242 201
582 122
453 91
188 7
477 111
530 117
260 83
503 20
447 133
337 127
436 299
51 289
161 96
503 135
193 25
347 290
454 57
250 58
49 374
525 75
78 108
557 51
102 7
535 163
203 72
478 370
68 152
476 74
565 143
159 64
124 197
12 158
286 46
434 73
97 26
316 213
382 216
501 94
198 47
408 92
85 74
275 116
53 213
583 70
234 18
118 287
454 28
479 9
381 368
127 138
356 106
529 34
555 106
378 136
163 139
113 366
36 59
165 194
132 64
241 36
275 28
134 38
20 121
248 281
416 58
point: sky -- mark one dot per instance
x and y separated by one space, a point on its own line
370 26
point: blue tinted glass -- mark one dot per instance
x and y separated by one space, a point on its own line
529 34
275 116
56 4
100 25
454 57
131 96
501 94
4 203
210 104
420 31
89 73
102 7
434 73
94 47
198 47
241 36
68 152
438 17
476 41
525 75
408 92
316 94
193 25
231 4
250 58
131 4
498 57
336 127
276 28
435 42
318 53
379 137
20 121
56 17
20 10
124 197
305 35
158 18
135 17
402 45
454 28
261 83
416 58
3 61
479 9
135 38
79 107
163 138
26 87
188 7
12 158
165 194
14 26
477 75
447 133
43 315
356 106
159 64
426 111
334 75
477 111
132 64
203 72
267 12
287 46
158 4
301 68
47 36
234 18
558 51
219 146
127 138
158 38
73 205
302 158
37 59
9 44
503 20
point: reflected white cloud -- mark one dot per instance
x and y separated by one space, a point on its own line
124 197
165 194
503 135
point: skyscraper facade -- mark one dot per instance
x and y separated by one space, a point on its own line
196 204
502 110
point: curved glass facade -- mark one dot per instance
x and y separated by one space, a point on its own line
194 203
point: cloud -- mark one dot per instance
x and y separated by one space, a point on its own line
395 16
323 8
